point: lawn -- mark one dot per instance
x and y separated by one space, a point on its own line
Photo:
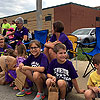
81 56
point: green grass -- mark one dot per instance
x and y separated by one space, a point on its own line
81 56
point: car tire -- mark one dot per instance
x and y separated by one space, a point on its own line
86 41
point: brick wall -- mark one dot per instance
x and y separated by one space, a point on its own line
75 17
31 19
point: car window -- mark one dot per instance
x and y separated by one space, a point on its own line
93 32
81 32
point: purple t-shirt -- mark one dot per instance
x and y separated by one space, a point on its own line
40 61
64 39
20 60
64 71
19 34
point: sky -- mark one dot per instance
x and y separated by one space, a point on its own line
13 7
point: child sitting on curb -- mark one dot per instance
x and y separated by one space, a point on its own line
94 80
20 51
62 72
34 67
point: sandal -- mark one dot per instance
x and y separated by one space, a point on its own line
15 88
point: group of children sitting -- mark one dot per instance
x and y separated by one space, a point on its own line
38 70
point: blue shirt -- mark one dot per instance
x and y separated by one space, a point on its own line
63 39
40 61
65 71
18 35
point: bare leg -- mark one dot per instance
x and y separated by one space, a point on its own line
89 95
48 82
39 79
46 52
28 74
52 54
62 86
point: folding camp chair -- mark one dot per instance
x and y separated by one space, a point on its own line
41 36
89 55
73 39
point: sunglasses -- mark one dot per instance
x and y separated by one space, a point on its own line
33 48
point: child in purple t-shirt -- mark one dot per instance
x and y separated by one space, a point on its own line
34 67
20 51
57 37
62 72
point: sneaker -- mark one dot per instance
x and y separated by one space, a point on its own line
39 96
24 92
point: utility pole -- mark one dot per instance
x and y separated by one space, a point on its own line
39 14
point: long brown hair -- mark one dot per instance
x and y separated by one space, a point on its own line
21 50
9 52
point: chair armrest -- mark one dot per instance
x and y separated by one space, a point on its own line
85 43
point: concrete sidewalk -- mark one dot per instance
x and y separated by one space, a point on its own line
82 82
7 93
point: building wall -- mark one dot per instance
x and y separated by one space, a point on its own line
83 17
63 14
31 19
75 16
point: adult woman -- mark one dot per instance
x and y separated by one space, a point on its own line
20 33
58 36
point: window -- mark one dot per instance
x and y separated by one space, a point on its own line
48 18
97 18
25 21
